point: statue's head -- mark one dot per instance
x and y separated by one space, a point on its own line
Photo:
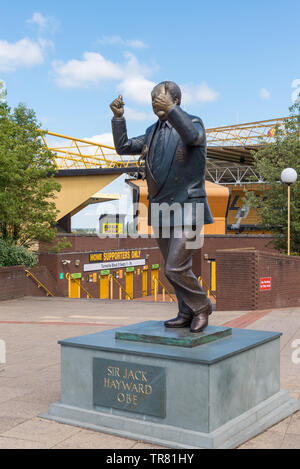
173 89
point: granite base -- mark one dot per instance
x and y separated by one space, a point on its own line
215 395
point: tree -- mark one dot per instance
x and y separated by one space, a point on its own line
11 254
27 185
269 162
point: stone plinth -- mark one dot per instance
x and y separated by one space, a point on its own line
215 395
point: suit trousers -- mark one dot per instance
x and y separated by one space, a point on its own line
178 270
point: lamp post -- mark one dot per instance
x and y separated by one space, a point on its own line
289 176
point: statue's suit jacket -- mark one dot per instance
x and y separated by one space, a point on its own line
181 176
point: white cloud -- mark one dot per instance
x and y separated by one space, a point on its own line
23 53
264 93
135 85
201 93
92 69
44 23
111 40
131 79
104 139
136 115
39 19
137 88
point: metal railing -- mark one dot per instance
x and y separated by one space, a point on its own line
121 288
39 284
249 133
164 290
209 291
76 153
68 277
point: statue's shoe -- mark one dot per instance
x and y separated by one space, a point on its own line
179 321
200 318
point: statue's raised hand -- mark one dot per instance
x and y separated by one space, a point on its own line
164 102
117 106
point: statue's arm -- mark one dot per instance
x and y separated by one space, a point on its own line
190 130
123 144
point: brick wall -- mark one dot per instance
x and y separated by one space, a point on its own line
213 243
152 255
238 280
81 242
82 245
285 280
15 284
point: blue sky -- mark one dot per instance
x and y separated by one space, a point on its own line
236 61
79 55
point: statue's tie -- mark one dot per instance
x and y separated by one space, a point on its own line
158 151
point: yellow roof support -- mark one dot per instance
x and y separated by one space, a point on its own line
76 153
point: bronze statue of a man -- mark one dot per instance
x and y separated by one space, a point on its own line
175 159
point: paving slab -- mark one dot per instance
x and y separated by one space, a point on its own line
30 380
42 431
291 441
267 440
85 439
294 425
17 443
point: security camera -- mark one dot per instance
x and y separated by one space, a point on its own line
65 261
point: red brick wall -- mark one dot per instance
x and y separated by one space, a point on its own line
82 245
238 280
213 243
15 284
56 267
285 280
91 243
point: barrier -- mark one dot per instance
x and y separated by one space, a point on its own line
39 284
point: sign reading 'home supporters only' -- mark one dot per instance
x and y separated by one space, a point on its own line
129 386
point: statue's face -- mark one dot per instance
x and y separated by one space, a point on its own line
157 90
154 94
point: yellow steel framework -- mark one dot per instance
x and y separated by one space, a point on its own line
75 153
250 133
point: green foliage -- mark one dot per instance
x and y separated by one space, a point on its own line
60 245
27 186
11 254
272 206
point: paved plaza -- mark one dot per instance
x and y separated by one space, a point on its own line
30 378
